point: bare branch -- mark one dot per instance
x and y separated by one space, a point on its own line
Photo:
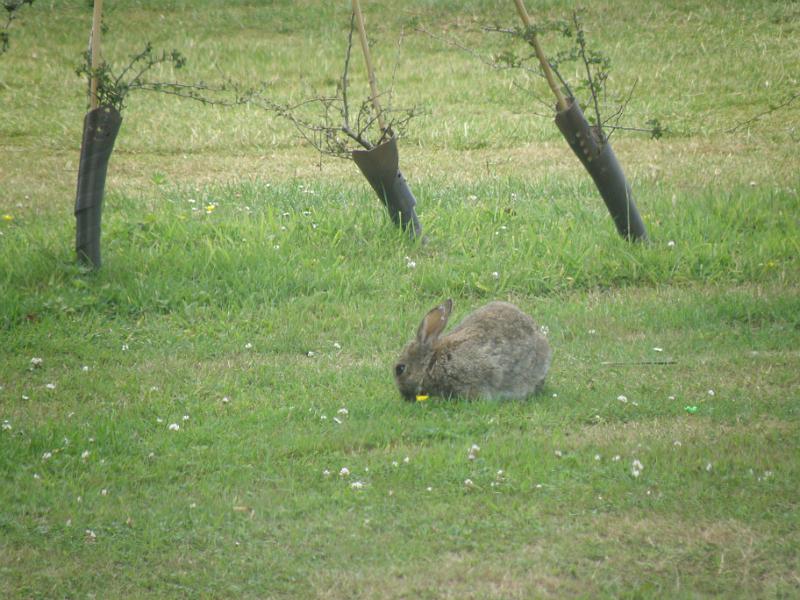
330 124
792 97
581 39
617 116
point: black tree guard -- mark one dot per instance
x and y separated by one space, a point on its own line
100 128
380 166
596 154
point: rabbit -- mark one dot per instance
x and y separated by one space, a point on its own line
496 352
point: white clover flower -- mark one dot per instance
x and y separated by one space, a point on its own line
125 347
85 454
85 368
47 455
671 243
174 427
558 453
429 489
710 392
495 275
406 460
623 399
411 264
225 399
37 476
326 473
468 483
357 485
616 457
597 457
310 353
474 448
344 472
50 386
395 463
337 345
36 362
343 411
104 492
185 417
636 467
592 331
6 425
709 467
248 345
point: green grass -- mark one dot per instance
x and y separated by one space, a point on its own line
261 318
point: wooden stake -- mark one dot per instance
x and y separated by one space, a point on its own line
373 84
548 72
96 24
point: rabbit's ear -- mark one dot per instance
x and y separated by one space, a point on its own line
434 323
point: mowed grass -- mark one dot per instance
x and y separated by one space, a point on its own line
256 297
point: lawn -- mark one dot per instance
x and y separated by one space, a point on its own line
213 414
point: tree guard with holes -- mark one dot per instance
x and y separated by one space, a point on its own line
380 165
100 128
599 159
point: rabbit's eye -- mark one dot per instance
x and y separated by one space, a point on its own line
399 370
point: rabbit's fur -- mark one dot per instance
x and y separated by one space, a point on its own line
496 352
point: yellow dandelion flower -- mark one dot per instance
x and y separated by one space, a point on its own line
421 397
8 217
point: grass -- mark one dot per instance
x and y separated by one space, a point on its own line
251 324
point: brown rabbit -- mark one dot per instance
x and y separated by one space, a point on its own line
496 352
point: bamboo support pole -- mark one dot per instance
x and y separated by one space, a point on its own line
95 44
548 72
373 84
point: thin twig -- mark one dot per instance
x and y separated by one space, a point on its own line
582 52
761 115
636 363
617 116
494 64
